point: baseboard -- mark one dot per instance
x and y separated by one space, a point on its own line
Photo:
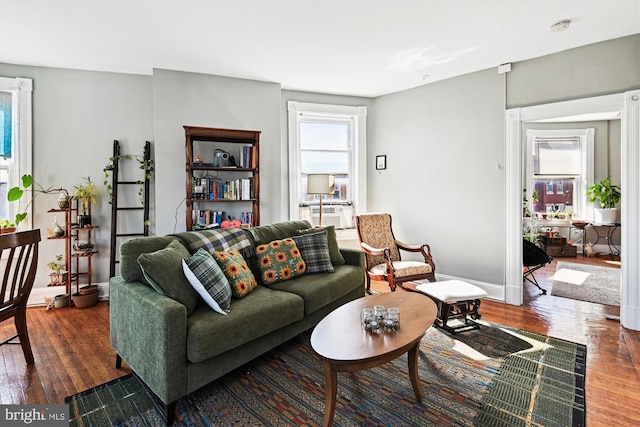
38 295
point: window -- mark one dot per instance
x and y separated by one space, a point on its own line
561 168
15 140
326 139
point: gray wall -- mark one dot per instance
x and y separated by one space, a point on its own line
181 98
602 68
444 182
76 117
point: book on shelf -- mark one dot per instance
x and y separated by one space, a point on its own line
247 157
216 189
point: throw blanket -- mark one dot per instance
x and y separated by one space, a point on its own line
220 239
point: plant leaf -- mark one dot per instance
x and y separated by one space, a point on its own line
27 180
20 217
14 194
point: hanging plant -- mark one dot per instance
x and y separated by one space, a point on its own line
144 164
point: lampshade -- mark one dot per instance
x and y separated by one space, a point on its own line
320 183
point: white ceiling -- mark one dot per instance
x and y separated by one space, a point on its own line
364 48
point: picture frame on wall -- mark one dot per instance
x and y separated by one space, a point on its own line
381 162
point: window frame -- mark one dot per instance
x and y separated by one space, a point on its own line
22 140
586 136
299 112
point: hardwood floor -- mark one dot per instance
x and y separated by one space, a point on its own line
72 351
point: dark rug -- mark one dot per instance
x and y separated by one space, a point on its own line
495 379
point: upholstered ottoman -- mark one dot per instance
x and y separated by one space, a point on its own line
456 300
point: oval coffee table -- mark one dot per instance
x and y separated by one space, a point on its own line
345 346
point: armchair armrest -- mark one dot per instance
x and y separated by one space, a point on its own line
424 249
149 332
373 251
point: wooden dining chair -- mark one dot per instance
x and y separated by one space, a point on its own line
18 274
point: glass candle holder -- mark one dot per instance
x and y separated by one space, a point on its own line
392 319
366 317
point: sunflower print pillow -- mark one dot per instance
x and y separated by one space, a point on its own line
238 274
280 260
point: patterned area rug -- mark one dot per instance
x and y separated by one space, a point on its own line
587 283
525 379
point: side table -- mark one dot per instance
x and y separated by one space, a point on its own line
609 229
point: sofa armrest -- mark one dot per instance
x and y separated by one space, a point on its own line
149 332
354 257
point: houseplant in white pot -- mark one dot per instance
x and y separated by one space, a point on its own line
608 195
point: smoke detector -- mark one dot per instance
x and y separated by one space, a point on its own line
560 26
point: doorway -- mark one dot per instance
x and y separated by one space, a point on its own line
628 106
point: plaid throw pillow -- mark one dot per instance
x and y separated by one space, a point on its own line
315 252
235 268
279 260
206 277
332 240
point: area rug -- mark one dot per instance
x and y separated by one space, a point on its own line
587 283
536 381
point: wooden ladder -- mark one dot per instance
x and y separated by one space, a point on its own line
116 208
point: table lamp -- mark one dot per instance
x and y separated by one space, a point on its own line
320 184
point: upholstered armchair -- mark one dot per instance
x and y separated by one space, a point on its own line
383 256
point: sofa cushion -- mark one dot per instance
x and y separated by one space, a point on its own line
332 241
223 239
315 252
318 290
238 274
208 279
163 269
261 312
279 260
130 251
268 233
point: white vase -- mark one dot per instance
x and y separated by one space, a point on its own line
606 216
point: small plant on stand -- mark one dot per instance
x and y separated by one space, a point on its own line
59 276
86 194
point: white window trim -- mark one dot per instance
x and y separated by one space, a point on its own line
359 113
583 208
22 128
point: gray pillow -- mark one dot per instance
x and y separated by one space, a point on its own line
315 252
163 270
208 279
332 241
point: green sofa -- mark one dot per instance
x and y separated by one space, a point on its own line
176 354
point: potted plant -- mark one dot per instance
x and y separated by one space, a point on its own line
59 276
608 195
85 194
7 226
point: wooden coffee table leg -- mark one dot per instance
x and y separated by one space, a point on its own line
331 390
412 357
